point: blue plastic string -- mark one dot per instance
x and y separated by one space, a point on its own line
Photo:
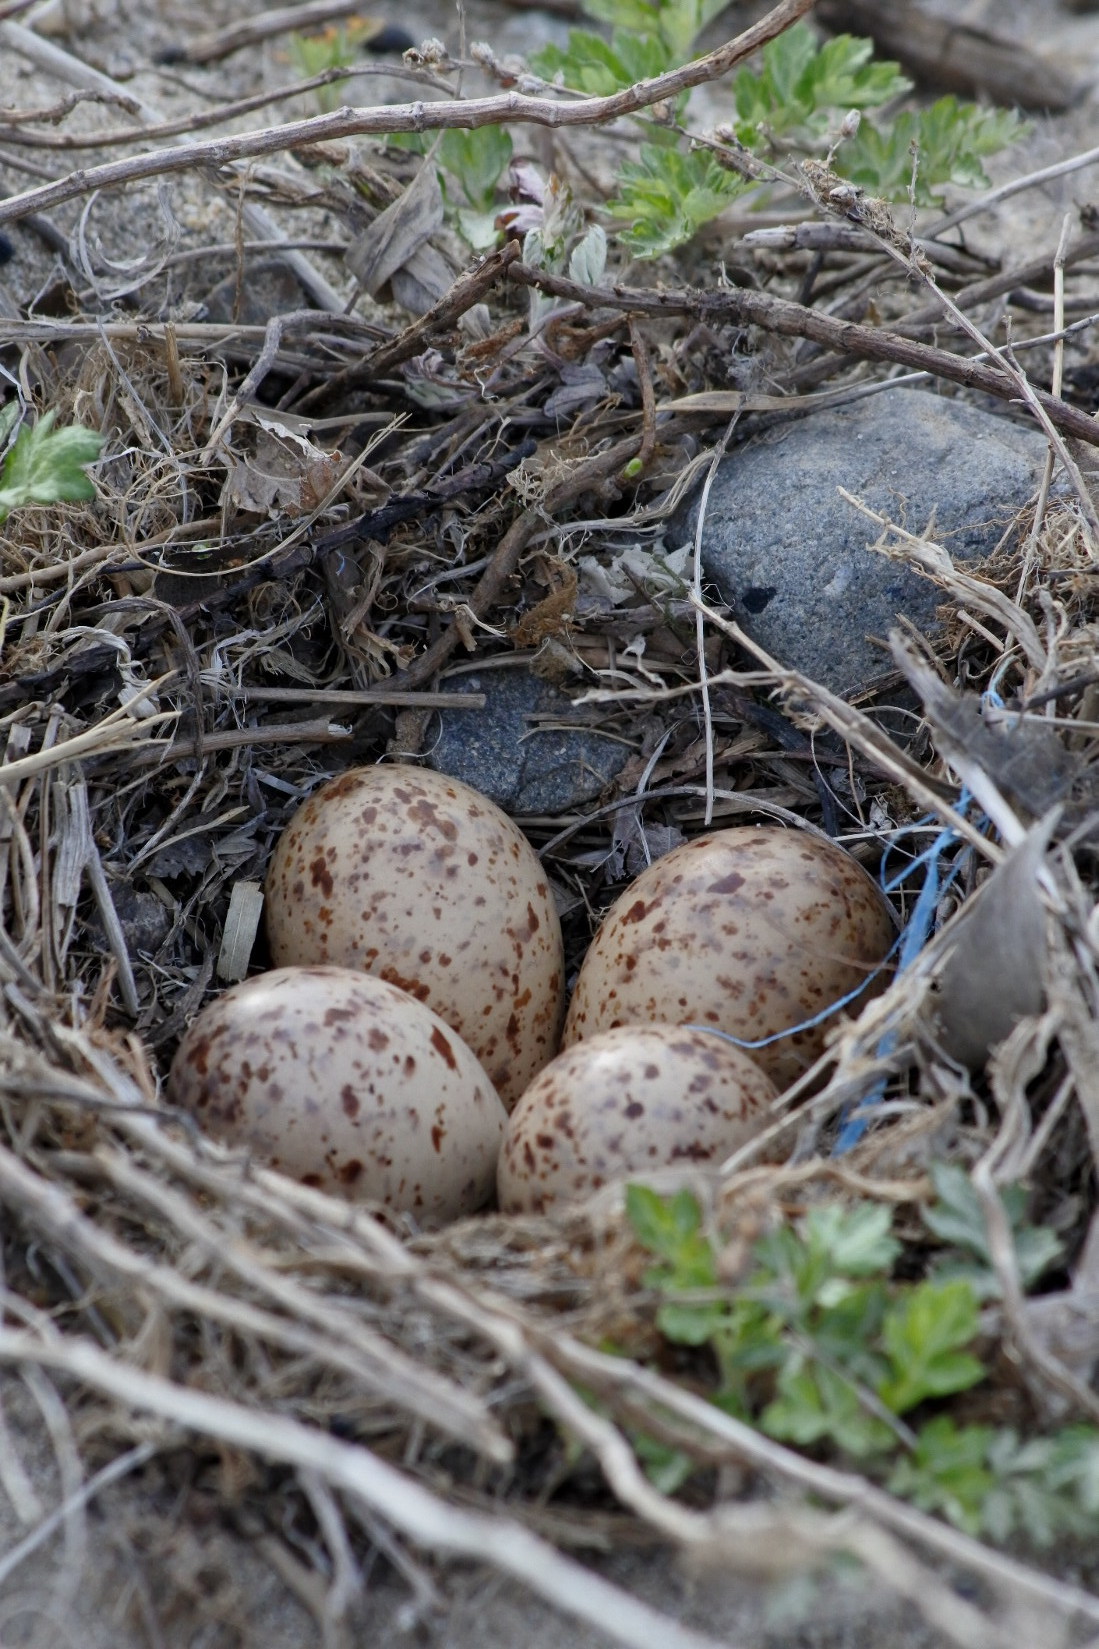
916 933
906 947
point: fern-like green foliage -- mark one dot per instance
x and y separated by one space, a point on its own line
676 23
936 146
800 84
599 67
989 1481
794 99
45 465
648 37
820 1345
668 194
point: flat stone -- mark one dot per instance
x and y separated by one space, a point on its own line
516 750
791 556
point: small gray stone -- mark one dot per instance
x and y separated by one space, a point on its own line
790 555
507 751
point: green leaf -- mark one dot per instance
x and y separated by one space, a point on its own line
799 83
46 465
589 258
924 1333
814 1403
958 1218
675 22
947 1472
945 141
476 159
847 1333
668 195
855 1240
690 1325
666 1467
593 65
662 1224
638 16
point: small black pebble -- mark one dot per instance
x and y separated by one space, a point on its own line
389 39
7 250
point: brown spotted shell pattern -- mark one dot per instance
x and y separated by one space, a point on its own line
749 931
627 1102
344 1082
417 878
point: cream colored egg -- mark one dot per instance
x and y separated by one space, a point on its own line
625 1103
417 878
748 931
346 1083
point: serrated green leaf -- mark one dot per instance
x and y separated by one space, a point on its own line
847 1333
588 64
800 84
668 195
662 1224
1036 1249
814 1403
945 142
690 1325
638 16
9 417
676 22
476 159
958 1218
947 1472
924 1333
855 1240
45 465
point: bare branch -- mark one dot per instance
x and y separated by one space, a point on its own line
411 117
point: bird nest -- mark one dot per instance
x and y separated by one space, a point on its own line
294 534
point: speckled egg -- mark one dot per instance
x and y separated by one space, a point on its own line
343 1081
417 878
625 1102
749 931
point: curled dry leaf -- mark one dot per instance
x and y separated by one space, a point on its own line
994 971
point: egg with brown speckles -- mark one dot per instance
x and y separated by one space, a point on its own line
748 931
625 1103
418 878
344 1082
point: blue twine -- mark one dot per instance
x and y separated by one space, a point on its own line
916 933
906 947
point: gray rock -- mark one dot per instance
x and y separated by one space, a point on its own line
790 555
507 752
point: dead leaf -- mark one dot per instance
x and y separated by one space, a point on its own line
397 233
285 474
994 972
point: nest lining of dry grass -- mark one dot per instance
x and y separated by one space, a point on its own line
191 654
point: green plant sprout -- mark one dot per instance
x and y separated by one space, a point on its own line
820 1347
45 465
334 48
789 104
473 161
